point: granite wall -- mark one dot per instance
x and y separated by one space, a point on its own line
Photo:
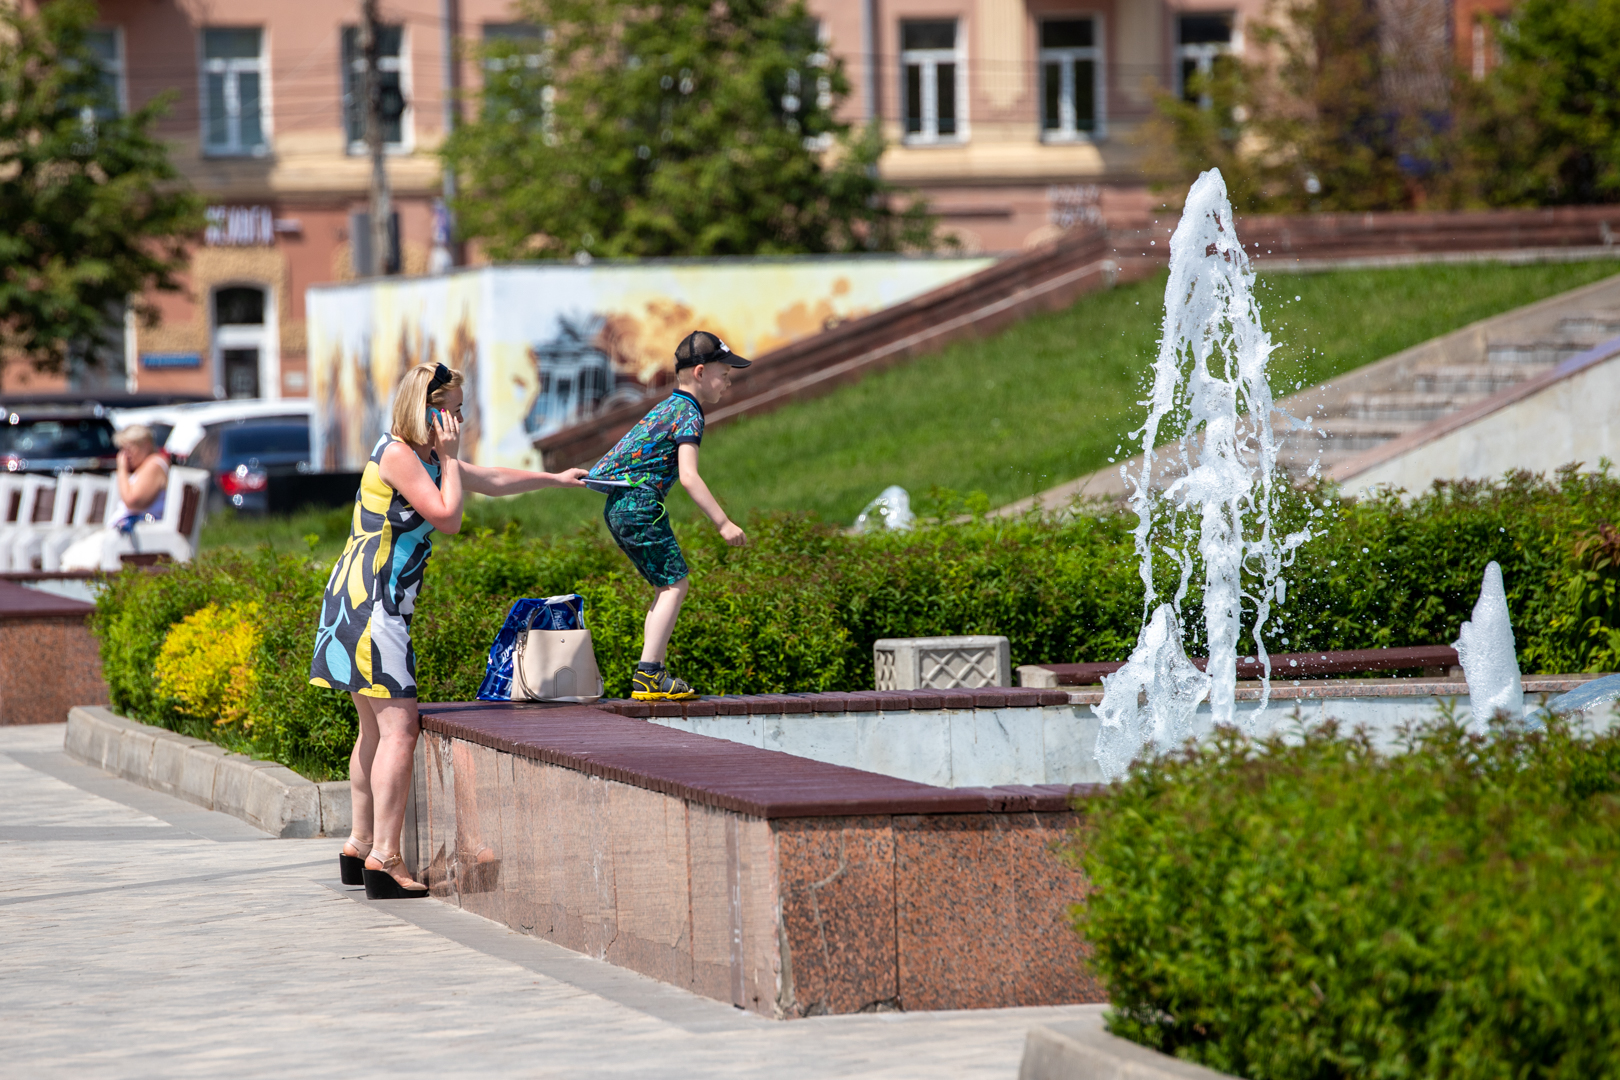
48 664
789 917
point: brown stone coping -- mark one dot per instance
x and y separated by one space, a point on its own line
990 697
1432 659
1316 689
715 772
17 602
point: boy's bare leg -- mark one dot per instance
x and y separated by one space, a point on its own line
666 607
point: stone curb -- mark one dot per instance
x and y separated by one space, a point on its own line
1082 1050
265 795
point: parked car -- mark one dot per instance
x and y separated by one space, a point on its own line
55 439
244 457
181 428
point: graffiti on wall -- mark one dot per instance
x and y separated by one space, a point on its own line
543 347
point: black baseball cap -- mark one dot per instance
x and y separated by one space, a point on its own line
702 347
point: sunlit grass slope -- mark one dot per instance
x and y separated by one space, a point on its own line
1042 402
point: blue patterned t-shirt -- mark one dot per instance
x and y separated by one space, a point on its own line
647 454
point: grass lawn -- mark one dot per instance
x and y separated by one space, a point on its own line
1040 403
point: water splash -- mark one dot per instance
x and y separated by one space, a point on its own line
1489 659
1173 685
1210 376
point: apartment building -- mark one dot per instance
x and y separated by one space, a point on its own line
1015 118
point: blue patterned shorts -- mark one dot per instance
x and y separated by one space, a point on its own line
641 529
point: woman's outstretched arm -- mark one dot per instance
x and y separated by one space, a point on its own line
492 480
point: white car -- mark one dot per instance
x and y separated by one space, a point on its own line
181 427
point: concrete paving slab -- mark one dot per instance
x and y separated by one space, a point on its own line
145 936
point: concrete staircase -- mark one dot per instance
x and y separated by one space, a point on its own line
1409 395
1364 409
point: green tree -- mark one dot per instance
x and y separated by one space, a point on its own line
677 128
91 212
1544 127
1340 109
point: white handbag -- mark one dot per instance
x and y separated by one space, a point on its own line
555 665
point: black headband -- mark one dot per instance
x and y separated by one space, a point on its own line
441 377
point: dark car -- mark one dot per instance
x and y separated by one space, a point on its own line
46 439
244 457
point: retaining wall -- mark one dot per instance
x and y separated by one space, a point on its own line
786 886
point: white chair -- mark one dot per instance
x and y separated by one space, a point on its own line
25 548
89 516
35 501
179 531
88 499
173 536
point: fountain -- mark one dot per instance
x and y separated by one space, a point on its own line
1210 377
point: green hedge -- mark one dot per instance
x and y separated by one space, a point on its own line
1320 910
799 608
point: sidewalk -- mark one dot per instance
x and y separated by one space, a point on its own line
143 936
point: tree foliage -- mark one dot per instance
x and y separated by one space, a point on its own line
677 128
91 211
1350 106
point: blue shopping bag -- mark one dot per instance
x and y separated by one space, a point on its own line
565 612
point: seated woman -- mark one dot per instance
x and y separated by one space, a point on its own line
143 487
143 478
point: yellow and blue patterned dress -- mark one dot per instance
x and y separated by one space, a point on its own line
364 640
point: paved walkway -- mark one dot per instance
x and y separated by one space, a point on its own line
143 936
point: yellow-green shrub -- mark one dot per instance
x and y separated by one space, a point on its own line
206 664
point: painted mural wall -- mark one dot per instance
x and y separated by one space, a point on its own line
546 346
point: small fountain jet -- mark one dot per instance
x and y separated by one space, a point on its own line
1210 377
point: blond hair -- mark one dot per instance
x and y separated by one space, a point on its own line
134 435
411 402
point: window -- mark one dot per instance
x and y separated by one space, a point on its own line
391 71
931 89
1202 42
233 91
515 83
1071 80
107 46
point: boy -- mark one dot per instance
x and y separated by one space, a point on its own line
660 449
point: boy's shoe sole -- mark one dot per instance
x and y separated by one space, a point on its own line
643 695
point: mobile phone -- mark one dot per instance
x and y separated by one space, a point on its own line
432 417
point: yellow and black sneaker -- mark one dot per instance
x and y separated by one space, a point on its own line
652 683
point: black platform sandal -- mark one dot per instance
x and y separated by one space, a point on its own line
381 885
352 867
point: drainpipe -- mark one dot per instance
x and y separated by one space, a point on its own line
449 25
870 43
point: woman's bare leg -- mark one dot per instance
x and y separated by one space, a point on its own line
390 777
360 765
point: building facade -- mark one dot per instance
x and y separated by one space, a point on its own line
1014 118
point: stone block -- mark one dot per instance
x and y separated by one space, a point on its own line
1083 1047
829 737
170 754
942 663
652 884
282 803
232 774
837 901
476 860
134 761
982 912
1036 676
992 747
93 734
1069 741
337 808
911 745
